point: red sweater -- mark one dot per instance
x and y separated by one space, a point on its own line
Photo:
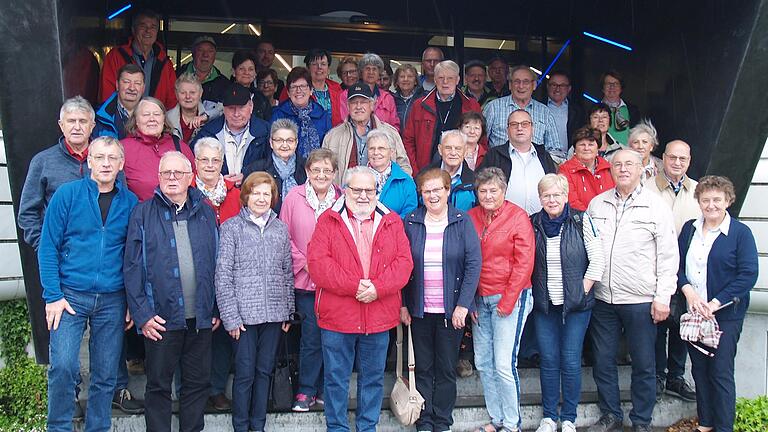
582 184
142 161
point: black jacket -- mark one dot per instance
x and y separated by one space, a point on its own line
267 164
499 157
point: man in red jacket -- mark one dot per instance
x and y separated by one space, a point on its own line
360 259
143 50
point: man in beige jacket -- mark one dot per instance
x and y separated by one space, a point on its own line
638 235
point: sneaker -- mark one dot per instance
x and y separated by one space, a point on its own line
124 401
547 425
220 402
641 428
464 368
607 423
78 415
679 387
568 426
319 401
660 384
302 403
135 367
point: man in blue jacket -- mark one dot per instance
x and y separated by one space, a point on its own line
80 256
114 113
170 258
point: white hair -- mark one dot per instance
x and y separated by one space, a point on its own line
447 65
453 133
77 103
360 169
107 141
379 134
209 142
178 155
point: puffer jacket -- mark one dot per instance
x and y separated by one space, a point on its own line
254 274
582 184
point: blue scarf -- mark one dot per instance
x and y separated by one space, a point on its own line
552 226
309 139
286 171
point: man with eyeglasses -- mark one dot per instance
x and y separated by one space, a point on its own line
568 114
77 292
624 115
676 189
359 259
170 258
638 236
429 59
452 150
522 83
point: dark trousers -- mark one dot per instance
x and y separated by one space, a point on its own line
607 323
221 361
255 354
715 384
436 348
192 349
670 364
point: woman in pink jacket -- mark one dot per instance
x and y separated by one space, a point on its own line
370 68
301 208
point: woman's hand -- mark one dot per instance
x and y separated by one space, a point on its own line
459 318
285 327
236 332
696 303
405 317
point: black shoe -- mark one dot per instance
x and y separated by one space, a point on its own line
607 423
78 415
679 387
124 401
660 384
641 428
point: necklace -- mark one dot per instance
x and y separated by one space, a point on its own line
441 218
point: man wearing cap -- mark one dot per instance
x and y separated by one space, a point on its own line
203 68
243 134
349 139
474 77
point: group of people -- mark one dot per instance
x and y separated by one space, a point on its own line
252 204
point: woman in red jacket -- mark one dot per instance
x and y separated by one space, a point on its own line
220 194
588 174
503 297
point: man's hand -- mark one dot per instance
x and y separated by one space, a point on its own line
659 312
405 317
216 323
236 332
459 318
54 310
128 321
235 178
368 295
152 328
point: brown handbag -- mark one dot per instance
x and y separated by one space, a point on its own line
405 402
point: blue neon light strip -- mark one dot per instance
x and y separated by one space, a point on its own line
590 98
119 11
551 65
608 41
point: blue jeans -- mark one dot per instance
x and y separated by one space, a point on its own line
339 350
105 315
497 341
560 345
311 350
607 322
255 354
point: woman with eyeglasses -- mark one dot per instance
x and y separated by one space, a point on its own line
267 80
148 138
588 174
284 164
623 114
473 125
599 117
244 73
313 121
347 72
395 187
301 208
220 194
568 260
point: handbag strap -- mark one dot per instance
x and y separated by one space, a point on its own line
399 345
411 366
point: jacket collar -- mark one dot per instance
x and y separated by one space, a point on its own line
467 175
194 198
662 182
573 165
418 215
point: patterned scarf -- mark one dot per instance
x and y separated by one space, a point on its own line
309 139
217 194
286 171
319 206
382 177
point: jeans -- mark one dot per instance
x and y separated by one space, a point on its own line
715 384
670 366
192 348
339 350
436 351
607 322
560 343
221 361
497 341
255 354
105 315
311 349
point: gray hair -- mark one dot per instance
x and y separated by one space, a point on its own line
175 154
645 126
379 134
211 143
526 68
453 133
107 141
77 103
370 59
635 154
491 175
432 48
284 123
552 180
188 78
402 69
447 65
360 169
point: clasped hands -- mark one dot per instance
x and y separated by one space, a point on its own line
366 292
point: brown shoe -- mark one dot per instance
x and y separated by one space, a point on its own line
220 402
135 367
464 368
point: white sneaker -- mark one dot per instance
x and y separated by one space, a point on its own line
547 425
567 426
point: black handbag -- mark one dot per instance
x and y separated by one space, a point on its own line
286 375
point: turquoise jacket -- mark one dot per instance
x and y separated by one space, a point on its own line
399 192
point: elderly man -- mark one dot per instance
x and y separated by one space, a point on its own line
349 139
77 292
114 113
474 77
638 235
360 259
522 83
242 133
452 150
204 69
498 71
429 59
435 113
568 114
143 50
676 189
170 257
623 115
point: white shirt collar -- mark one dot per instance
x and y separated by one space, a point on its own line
724 226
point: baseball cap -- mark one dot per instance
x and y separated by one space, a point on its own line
236 95
360 89
200 39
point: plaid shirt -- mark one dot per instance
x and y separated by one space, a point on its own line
497 111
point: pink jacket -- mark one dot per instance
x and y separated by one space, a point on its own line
142 161
385 108
300 218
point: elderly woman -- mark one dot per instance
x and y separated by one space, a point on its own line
406 91
301 208
588 173
370 67
644 139
220 194
347 72
473 125
254 293
313 121
189 114
396 189
385 79
568 261
266 80
244 73
441 291
503 297
718 264
283 163
149 137
600 118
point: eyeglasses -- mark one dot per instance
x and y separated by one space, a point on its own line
620 165
551 197
266 83
525 124
472 128
323 171
167 175
612 84
296 87
279 141
349 72
524 83
681 159
101 158
435 191
356 192
558 86
382 149
209 161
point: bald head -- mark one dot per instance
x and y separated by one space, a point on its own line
677 159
